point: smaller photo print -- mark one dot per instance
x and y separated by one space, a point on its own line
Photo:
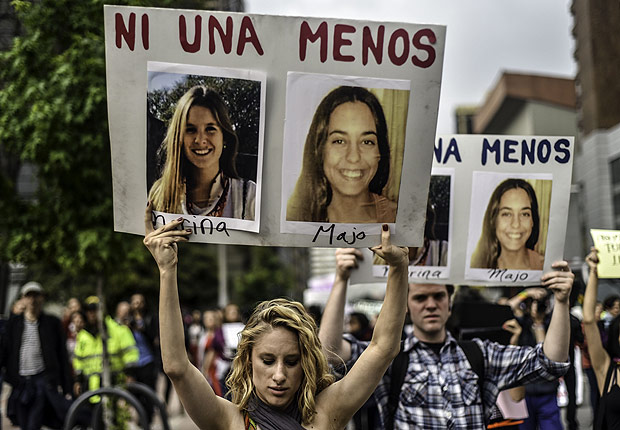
509 222
204 142
435 252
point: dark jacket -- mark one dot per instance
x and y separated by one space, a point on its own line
55 357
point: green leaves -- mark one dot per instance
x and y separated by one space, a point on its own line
53 117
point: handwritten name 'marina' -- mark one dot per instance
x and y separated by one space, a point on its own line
204 227
418 273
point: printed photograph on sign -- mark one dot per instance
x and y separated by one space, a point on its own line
343 150
508 225
432 259
204 143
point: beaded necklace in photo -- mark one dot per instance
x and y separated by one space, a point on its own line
218 209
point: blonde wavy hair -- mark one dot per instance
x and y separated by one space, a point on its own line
292 316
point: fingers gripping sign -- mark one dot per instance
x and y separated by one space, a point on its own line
346 260
592 259
560 281
162 242
392 254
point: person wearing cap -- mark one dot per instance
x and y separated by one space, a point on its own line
88 353
34 356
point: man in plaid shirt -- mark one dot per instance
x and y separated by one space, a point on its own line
440 389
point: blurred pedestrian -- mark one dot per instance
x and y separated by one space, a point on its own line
231 327
145 330
210 350
78 321
88 354
605 357
73 305
121 316
34 355
194 333
611 309
541 397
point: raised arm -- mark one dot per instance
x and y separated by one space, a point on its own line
335 348
598 356
560 281
203 406
342 399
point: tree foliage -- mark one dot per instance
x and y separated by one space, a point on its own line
53 115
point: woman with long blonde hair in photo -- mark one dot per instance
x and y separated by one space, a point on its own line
199 176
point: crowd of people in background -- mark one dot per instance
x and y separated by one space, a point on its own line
68 351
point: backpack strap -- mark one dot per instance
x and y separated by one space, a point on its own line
397 377
476 360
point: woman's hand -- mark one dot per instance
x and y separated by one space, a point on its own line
392 254
162 243
560 281
592 259
346 260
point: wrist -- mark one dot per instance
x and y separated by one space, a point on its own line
165 272
523 295
341 278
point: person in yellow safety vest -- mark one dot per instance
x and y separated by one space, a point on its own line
88 354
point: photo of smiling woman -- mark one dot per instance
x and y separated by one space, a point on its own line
346 162
514 227
199 176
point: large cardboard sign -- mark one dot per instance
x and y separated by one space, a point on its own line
505 202
607 242
271 130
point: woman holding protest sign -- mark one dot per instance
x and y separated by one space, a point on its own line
199 176
605 359
346 162
280 378
510 229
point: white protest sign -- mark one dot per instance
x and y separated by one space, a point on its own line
505 202
232 171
